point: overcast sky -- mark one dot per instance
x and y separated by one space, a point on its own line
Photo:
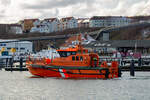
15 10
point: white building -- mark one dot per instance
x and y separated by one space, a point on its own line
46 25
21 47
105 21
83 22
53 24
69 22
15 28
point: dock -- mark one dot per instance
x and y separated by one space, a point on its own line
16 69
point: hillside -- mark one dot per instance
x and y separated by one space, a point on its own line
131 33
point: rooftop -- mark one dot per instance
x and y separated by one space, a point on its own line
121 43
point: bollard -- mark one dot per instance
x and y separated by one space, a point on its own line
6 62
11 64
119 71
21 63
139 62
132 68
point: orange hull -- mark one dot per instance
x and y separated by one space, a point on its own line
73 73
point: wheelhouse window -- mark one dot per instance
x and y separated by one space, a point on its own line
73 58
62 53
81 58
79 51
73 53
66 53
77 58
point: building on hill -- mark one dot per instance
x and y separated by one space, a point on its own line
28 24
4 28
10 28
69 23
83 22
46 25
40 26
53 24
140 19
15 28
105 21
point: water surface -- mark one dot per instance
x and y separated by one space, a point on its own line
20 86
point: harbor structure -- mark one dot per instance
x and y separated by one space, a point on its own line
125 47
17 48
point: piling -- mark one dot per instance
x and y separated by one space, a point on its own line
21 63
132 71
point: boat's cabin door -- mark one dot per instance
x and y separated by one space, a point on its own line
94 60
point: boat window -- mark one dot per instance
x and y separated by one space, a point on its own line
81 58
73 58
77 57
73 53
62 53
68 53
79 51
83 51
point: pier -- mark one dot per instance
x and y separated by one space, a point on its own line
139 65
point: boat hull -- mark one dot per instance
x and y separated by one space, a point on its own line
63 72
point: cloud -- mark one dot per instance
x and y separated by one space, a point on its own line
5 2
48 4
15 10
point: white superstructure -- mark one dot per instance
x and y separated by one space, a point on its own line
50 53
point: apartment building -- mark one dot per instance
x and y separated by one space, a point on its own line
28 24
83 22
68 23
105 21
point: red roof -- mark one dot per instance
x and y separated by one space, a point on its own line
30 19
66 18
50 19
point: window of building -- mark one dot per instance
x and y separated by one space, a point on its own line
2 44
8 48
21 48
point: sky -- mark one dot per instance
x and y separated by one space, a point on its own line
12 11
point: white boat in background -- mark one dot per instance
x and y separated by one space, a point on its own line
50 53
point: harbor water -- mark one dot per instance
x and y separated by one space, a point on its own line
21 86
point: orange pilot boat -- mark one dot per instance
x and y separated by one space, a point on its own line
73 62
